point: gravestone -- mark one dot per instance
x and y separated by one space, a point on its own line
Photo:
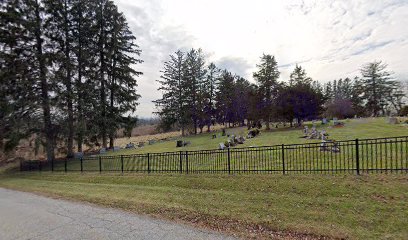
221 146
335 121
324 121
151 142
392 120
78 155
102 150
181 143
313 134
130 145
141 144
231 143
323 135
116 148
240 140
306 130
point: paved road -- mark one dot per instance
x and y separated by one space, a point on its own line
28 216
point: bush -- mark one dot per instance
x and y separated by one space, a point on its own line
340 108
403 111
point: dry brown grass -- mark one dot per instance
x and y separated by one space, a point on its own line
149 132
144 133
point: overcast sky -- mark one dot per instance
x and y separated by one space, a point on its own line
330 39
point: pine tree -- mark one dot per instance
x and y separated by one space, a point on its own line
267 79
241 99
34 24
194 75
378 86
173 106
299 76
19 113
210 88
225 97
85 88
59 31
121 76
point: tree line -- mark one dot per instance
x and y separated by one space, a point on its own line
67 73
197 95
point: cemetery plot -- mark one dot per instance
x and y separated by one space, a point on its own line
353 156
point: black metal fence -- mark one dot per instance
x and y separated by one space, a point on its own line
351 156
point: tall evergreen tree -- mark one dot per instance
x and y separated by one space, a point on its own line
299 76
209 91
19 115
225 97
195 73
241 99
83 49
121 76
59 32
379 87
173 106
267 79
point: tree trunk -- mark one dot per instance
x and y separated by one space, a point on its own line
111 141
183 131
102 79
112 130
79 85
70 143
49 135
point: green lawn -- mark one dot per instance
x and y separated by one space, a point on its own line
354 128
356 207
373 154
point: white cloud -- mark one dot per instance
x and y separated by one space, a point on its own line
331 39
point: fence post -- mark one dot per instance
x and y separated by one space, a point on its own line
187 162
65 165
283 159
121 161
229 161
82 164
148 162
181 162
100 164
357 158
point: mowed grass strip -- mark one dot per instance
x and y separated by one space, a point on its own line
259 206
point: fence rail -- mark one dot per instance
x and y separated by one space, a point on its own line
357 156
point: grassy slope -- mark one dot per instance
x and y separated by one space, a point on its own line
364 207
355 128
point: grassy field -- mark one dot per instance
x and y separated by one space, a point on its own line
354 128
373 155
259 206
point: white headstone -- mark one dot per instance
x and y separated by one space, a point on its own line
221 146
